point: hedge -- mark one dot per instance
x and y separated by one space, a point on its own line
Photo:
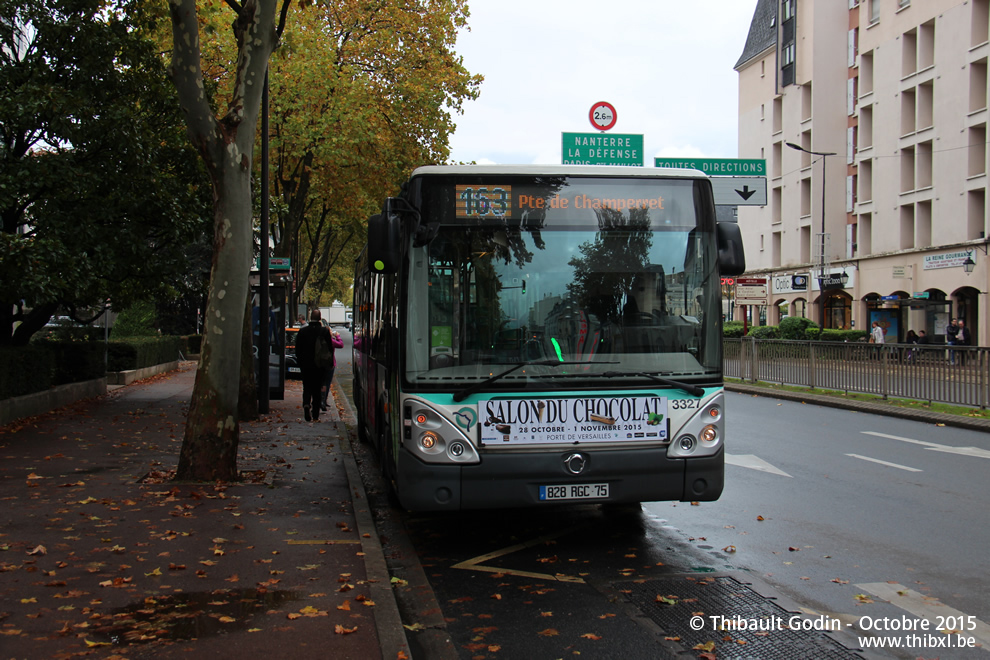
26 370
141 352
45 363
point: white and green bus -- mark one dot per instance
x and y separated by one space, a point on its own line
532 335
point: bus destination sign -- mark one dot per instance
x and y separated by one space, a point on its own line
495 201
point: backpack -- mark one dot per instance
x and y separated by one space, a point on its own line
323 356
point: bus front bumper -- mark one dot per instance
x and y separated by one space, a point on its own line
505 480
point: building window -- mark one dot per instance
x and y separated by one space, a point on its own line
908 105
874 11
865 175
907 169
787 7
805 198
926 105
976 212
865 127
907 226
864 242
923 224
926 45
980 23
866 73
923 165
978 150
978 85
909 53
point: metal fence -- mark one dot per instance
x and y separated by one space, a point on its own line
956 375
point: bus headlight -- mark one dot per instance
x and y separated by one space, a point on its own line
700 435
429 441
431 435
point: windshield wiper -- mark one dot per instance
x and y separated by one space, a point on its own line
471 389
693 390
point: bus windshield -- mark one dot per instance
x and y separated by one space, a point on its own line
583 281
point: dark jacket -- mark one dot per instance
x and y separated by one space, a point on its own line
306 344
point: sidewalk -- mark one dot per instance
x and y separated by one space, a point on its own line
927 416
102 557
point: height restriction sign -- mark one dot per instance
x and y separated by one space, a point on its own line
602 115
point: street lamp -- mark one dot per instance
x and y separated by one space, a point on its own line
821 270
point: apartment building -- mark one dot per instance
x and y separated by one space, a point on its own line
872 117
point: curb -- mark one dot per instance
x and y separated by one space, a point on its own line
388 621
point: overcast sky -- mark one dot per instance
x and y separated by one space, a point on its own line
665 65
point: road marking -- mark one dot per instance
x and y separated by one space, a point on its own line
926 607
322 541
753 463
877 460
475 564
934 446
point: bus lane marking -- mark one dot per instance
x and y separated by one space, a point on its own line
753 462
926 607
887 463
476 563
976 452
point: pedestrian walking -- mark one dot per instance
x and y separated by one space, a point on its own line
313 373
911 339
336 342
876 334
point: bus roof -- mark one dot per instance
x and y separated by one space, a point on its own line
561 170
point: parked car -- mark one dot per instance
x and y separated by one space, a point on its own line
292 369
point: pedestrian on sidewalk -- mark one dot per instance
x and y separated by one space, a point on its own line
951 335
963 338
313 374
336 342
877 333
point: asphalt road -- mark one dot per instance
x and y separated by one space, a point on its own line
847 518
870 502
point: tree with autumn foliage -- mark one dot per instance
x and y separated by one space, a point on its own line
226 146
361 94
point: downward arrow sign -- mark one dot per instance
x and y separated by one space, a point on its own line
746 193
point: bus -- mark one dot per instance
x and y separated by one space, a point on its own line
538 335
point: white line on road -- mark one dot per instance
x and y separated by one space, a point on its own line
928 608
753 463
933 446
877 460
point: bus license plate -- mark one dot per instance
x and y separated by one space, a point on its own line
574 492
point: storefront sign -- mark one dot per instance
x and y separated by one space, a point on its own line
790 283
947 259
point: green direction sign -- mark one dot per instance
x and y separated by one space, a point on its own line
601 149
718 166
